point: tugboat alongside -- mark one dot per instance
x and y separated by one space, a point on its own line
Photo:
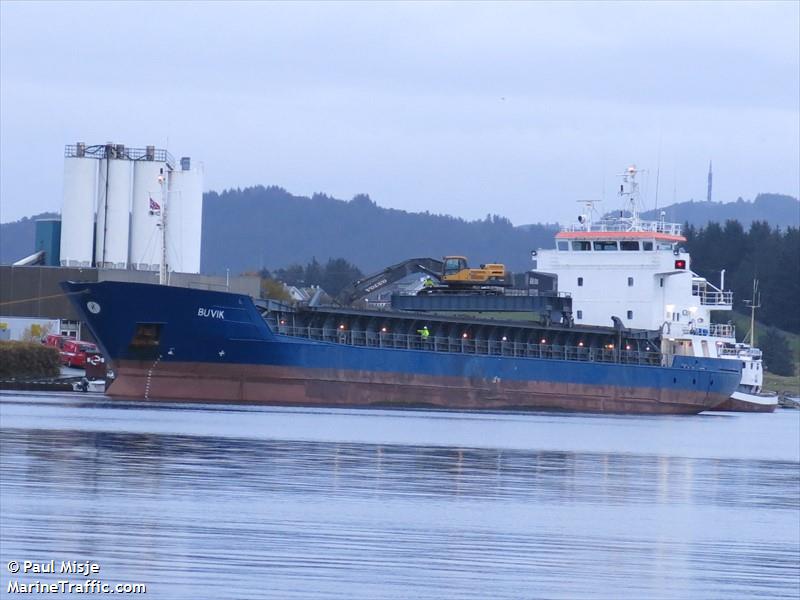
636 272
178 343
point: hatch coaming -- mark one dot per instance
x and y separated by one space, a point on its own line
392 329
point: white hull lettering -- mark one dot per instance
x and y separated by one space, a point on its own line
211 313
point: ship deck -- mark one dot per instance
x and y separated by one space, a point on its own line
463 335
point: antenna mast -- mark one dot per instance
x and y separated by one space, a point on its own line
629 191
658 169
754 304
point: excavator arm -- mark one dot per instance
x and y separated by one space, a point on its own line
363 287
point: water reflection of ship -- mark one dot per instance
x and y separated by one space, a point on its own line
174 465
622 267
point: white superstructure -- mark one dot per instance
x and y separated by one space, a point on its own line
637 271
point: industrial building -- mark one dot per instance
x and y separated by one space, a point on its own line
130 208
128 214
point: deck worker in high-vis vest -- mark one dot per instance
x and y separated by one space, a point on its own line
424 332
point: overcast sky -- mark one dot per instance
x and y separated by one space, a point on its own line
461 108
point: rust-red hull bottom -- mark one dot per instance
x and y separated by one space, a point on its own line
286 386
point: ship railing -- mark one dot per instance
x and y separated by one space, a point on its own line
753 353
118 151
628 225
713 297
722 330
461 345
725 330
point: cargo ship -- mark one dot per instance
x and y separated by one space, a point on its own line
180 343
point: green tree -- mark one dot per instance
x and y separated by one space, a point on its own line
337 274
313 273
778 357
770 255
274 290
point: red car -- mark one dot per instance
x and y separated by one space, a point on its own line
76 354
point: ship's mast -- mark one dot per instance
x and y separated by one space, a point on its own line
754 304
629 192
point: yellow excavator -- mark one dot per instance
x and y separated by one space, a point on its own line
450 275
457 273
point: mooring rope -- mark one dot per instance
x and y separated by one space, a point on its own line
150 378
10 302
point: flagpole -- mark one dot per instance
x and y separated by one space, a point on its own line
162 271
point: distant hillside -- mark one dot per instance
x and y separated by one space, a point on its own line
268 227
776 209
17 239
253 228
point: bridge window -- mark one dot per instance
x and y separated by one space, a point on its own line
580 314
630 314
664 246
647 245
563 246
630 281
581 245
605 246
580 281
629 246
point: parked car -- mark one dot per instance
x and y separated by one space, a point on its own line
55 340
76 354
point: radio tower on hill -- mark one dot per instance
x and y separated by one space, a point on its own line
710 177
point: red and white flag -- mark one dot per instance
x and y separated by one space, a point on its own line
155 207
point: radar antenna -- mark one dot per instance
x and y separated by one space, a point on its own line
586 217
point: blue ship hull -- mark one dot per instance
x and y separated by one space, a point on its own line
178 343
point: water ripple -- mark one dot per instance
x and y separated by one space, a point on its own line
196 515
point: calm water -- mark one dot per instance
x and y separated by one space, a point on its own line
204 501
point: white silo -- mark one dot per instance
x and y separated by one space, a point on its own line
146 217
113 209
77 212
185 217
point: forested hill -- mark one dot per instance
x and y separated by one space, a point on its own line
259 227
776 209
